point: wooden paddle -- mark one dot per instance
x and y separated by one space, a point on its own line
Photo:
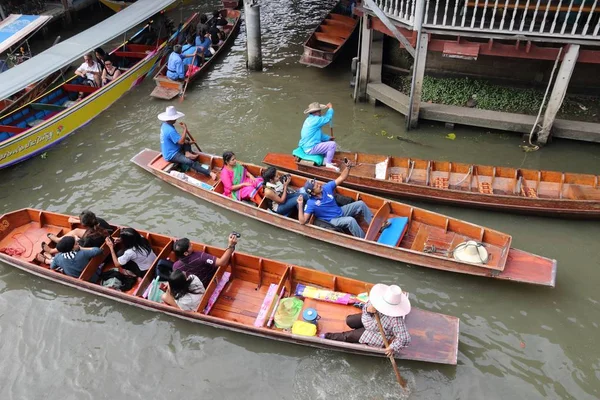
191 138
188 78
401 380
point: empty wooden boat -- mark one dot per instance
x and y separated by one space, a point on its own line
550 193
240 296
324 44
167 89
417 236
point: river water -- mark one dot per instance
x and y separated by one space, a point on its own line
516 341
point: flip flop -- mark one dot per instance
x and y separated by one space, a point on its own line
41 258
45 247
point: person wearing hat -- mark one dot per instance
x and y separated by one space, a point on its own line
175 67
72 258
178 148
393 305
322 203
312 139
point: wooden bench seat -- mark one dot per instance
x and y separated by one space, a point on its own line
325 38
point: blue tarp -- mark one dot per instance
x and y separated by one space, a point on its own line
17 27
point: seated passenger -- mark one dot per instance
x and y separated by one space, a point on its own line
202 25
198 263
101 57
176 148
184 292
93 233
90 71
323 205
175 67
393 305
312 139
238 183
203 43
72 258
110 72
283 200
189 53
136 253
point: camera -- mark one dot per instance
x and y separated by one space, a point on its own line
285 178
236 234
346 161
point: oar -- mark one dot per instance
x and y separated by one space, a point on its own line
193 140
401 381
189 77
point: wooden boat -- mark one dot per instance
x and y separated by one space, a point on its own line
240 295
117 5
548 193
423 238
232 4
324 44
30 93
56 114
167 89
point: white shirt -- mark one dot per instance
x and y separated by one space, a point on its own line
87 69
143 261
191 301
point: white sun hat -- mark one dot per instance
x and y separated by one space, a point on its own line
170 114
472 252
389 300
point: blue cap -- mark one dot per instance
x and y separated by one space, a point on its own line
309 186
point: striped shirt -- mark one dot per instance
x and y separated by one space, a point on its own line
394 327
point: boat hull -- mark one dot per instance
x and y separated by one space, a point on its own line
563 208
520 266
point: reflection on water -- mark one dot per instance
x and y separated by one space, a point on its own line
516 341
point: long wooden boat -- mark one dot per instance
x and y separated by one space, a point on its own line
167 89
117 5
240 295
324 44
522 190
422 237
55 114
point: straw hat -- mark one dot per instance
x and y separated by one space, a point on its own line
170 114
472 252
389 300
314 107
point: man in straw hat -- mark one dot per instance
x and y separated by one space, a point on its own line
393 305
312 139
178 148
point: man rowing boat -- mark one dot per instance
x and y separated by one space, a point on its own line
312 139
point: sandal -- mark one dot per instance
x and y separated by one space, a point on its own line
46 248
41 258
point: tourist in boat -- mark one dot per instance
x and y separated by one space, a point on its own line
136 253
175 67
199 263
93 233
178 148
189 53
101 57
203 42
323 205
312 139
184 292
90 70
110 72
71 257
202 25
283 201
238 182
393 305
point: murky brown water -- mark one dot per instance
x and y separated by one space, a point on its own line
516 342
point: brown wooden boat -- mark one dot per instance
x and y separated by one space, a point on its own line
239 297
548 193
424 238
324 44
167 89
28 94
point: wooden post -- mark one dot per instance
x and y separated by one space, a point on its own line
365 57
416 86
2 15
68 19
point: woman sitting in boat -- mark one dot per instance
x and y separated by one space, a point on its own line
203 42
238 183
283 200
136 253
312 139
93 233
110 72
189 53
393 305
101 57
184 292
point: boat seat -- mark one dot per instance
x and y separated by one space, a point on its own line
260 320
393 234
215 295
315 158
325 38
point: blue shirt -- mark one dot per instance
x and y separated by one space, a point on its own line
74 262
205 44
168 141
175 67
187 50
324 208
311 134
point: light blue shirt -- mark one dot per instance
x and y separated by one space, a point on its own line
175 67
311 134
205 44
168 141
189 49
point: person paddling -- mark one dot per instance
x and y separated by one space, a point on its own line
312 139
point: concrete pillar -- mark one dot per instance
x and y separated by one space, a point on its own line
371 58
416 86
253 40
558 92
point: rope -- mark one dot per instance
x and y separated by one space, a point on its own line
412 168
13 251
466 176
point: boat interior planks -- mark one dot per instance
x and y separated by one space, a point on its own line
236 294
520 190
428 239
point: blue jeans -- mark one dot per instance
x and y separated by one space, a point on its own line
291 202
180 158
348 221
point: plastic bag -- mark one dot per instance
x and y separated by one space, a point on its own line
287 312
304 328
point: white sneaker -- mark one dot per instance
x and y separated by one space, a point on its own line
332 166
